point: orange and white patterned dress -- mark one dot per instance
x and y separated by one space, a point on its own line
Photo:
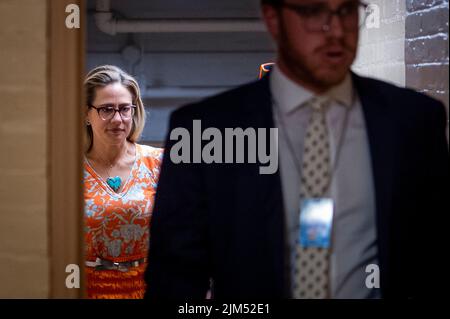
117 226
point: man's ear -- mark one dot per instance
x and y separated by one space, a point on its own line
270 16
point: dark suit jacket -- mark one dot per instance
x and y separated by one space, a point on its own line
226 221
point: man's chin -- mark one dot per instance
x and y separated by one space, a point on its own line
331 78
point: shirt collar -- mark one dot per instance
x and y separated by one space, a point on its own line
289 95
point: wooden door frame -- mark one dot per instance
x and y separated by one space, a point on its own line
65 75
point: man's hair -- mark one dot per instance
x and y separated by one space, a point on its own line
273 3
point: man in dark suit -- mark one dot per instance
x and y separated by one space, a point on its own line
385 171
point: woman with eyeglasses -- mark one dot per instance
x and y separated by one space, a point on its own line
120 178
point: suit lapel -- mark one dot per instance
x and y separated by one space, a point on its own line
381 135
269 198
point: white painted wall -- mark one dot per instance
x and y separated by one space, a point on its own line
381 52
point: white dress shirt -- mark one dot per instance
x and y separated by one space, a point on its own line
352 190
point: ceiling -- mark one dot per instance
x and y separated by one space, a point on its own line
200 59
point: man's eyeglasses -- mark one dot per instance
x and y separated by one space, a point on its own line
317 17
108 112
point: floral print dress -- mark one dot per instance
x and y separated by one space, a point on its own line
117 226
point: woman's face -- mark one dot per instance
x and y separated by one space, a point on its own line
115 130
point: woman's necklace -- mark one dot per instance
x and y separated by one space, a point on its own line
114 182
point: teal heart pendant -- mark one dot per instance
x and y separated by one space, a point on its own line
114 182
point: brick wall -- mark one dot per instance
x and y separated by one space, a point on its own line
382 42
409 46
426 47
24 262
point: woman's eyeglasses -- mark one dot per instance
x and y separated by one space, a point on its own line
108 112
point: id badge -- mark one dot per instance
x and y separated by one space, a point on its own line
316 218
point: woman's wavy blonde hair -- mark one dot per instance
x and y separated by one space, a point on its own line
102 76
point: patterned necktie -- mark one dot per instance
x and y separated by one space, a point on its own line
312 263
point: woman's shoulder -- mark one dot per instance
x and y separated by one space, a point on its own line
148 150
150 154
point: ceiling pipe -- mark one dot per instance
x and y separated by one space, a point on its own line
107 23
180 92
